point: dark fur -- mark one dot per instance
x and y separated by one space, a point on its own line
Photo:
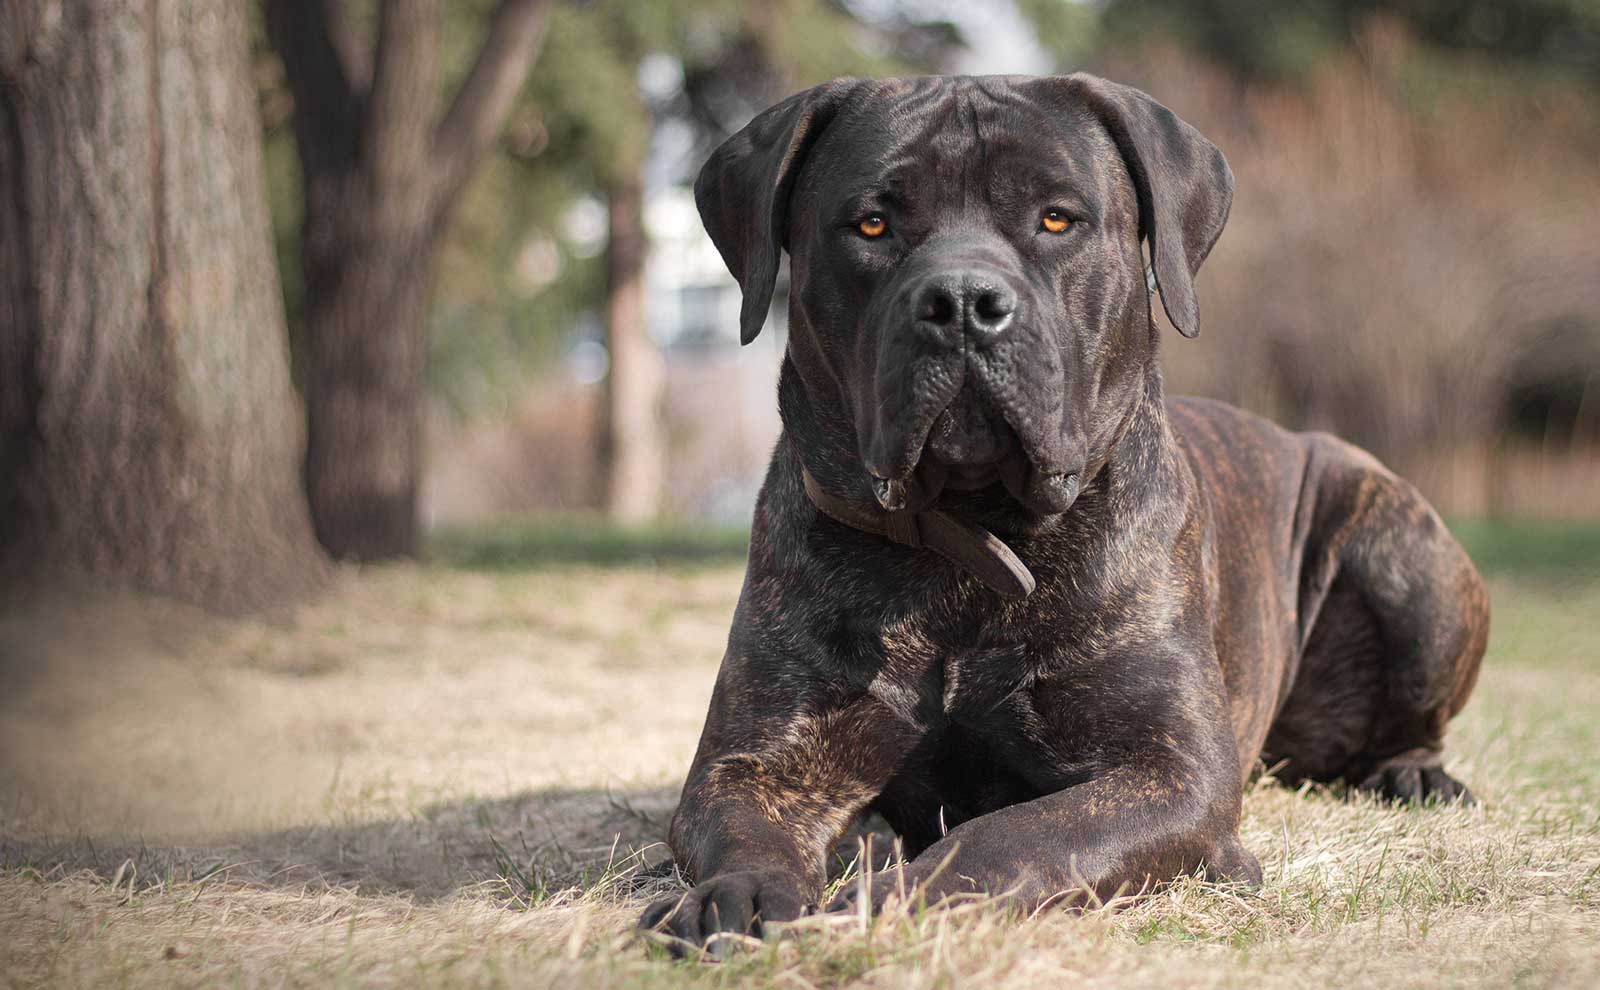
1220 593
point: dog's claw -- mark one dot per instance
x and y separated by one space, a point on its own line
891 493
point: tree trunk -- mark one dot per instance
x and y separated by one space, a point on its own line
364 324
380 178
148 429
633 448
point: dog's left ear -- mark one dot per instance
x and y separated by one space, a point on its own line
1184 185
743 192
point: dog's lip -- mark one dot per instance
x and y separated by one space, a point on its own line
1045 489
1051 491
1032 477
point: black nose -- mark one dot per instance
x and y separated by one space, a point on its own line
978 304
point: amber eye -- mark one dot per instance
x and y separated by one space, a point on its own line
1054 221
873 226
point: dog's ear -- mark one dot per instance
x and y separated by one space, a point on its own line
1184 185
743 192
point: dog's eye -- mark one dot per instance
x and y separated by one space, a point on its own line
1054 221
873 226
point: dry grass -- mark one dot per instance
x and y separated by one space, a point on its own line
441 777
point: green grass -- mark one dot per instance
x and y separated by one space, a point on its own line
522 544
1530 548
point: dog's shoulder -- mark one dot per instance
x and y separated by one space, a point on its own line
1207 422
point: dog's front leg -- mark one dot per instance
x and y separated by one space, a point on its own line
786 762
1154 818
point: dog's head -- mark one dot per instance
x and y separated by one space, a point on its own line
967 279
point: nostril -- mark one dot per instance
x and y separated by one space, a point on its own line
992 306
937 305
974 303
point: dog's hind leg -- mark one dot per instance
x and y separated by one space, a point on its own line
1395 619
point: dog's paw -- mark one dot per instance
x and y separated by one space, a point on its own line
1416 783
724 909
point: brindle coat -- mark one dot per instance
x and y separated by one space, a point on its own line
1220 594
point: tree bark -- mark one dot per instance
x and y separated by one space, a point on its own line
149 432
633 448
364 327
380 179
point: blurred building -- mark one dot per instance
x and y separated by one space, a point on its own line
722 402
721 405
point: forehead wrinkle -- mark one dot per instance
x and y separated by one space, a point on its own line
924 128
894 118
911 141
980 135
1088 148
940 150
910 118
1004 162
901 117
972 175
1082 156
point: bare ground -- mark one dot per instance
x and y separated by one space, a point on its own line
438 776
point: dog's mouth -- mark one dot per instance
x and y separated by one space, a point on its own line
971 445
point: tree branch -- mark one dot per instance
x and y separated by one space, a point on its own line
355 51
308 36
468 129
405 75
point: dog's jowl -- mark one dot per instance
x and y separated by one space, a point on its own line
1002 590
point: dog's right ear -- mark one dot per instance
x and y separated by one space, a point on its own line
1183 182
743 192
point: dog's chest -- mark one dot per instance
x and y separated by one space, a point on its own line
931 679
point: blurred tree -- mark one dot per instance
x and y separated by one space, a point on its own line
731 59
1069 29
380 174
1285 40
608 41
148 428
517 276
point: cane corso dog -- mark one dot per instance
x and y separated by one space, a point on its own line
1001 590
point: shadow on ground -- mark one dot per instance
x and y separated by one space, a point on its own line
533 843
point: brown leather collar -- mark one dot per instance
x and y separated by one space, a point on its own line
968 546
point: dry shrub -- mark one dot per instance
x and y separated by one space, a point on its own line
541 455
721 415
1395 239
